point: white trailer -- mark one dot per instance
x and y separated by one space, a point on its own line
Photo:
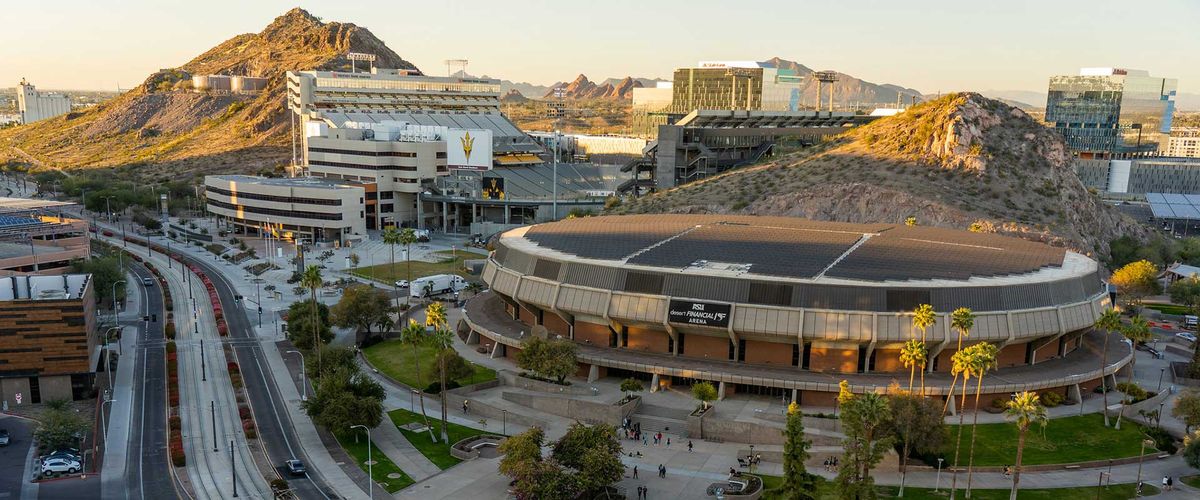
436 285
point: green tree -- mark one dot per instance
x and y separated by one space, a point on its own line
798 484
924 317
630 386
917 423
1025 409
344 398
105 271
457 368
1137 331
392 237
521 449
913 356
312 280
1109 321
704 392
473 287
1187 292
300 325
865 418
1187 409
561 360
435 315
983 359
361 307
593 452
60 427
962 320
333 358
1191 449
1136 281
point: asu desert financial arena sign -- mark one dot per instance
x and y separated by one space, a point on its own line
699 313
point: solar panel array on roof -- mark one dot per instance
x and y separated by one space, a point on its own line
775 251
914 253
1174 206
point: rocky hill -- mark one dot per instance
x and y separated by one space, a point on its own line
848 90
582 88
160 130
962 161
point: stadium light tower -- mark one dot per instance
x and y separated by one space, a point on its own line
456 66
829 77
558 95
359 56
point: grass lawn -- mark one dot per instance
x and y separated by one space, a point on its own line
438 453
826 491
383 465
450 263
396 360
1067 440
1193 481
1169 308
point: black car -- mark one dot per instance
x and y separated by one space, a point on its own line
295 467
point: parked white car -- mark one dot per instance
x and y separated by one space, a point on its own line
53 466
401 283
1188 336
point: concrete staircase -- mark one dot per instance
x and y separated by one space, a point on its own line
666 420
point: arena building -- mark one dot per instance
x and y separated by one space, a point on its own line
789 307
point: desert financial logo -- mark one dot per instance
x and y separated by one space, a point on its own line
468 143
699 313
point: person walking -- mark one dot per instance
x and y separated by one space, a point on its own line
635 472
668 441
466 410
1165 487
643 440
1170 483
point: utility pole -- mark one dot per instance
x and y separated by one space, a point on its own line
233 468
203 372
213 406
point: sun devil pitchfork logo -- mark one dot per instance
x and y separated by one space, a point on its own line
468 143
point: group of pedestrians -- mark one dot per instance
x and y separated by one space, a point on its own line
642 490
831 463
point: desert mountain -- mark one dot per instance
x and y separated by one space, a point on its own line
167 131
960 161
513 96
848 90
582 88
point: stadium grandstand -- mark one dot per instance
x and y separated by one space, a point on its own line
33 241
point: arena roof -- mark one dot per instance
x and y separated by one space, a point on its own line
795 248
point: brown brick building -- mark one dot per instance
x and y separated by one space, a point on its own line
47 338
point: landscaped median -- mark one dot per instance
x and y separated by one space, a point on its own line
439 452
399 361
384 472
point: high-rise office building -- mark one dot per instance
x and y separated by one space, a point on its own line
1111 112
36 105
1184 142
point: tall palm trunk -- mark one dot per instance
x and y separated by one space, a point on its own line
428 427
316 320
974 427
958 442
1103 378
949 396
904 466
1017 469
1129 381
923 368
442 370
408 264
912 371
393 273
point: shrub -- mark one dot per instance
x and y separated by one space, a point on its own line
244 412
232 367
1132 390
1162 439
171 345
251 433
178 459
169 331
1051 399
436 387
174 423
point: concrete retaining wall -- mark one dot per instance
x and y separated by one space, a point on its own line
583 411
486 410
516 380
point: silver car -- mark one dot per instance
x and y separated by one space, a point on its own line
52 466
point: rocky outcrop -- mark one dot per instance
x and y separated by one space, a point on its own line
582 88
959 161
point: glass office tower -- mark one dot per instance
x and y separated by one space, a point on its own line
1111 112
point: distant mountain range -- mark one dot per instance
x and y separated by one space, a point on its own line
582 88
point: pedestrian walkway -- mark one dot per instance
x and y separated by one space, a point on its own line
393 444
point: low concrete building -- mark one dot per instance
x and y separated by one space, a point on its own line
47 338
308 208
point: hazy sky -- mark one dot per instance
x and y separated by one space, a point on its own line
930 45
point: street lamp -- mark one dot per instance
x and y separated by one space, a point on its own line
1138 483
751 459
1161 371
303 378
938 484
504 421
370 474
107 362
114 298
1158 420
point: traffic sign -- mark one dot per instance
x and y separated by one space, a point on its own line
17 397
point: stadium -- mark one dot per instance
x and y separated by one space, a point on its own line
789 307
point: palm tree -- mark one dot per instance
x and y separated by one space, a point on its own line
442 341
982 359
923 318
413 335
962 366
1025 409
1109 321
913 356
435 315
311 279
1137 330
962 320
407 237
391 236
